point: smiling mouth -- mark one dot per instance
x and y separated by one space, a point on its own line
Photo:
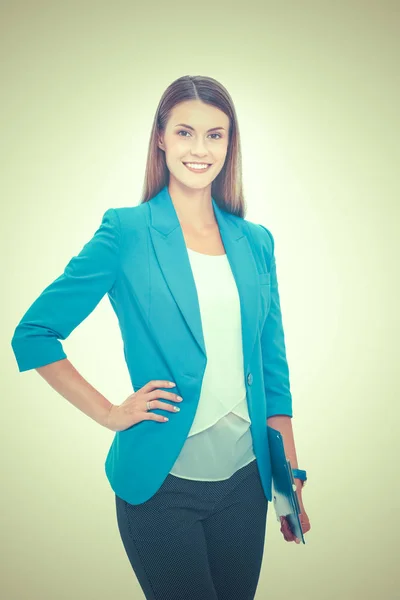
197 169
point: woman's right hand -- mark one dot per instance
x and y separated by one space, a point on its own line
134 408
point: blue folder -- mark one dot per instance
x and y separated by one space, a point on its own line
284 493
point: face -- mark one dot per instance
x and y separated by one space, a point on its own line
195 133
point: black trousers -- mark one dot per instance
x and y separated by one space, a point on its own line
197 540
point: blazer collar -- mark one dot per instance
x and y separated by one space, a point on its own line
170 248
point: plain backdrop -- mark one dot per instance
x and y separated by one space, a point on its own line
316 89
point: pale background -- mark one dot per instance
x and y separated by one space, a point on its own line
316 89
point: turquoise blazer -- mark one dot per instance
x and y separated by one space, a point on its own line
138 257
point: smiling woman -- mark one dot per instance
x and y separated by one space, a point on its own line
194 287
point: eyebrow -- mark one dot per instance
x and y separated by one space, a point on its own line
192 128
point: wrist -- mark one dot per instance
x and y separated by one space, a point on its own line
105 416
299 484
299 477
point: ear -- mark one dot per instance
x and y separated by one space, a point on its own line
160 144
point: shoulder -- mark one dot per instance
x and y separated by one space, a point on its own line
127 218
259 233
126 213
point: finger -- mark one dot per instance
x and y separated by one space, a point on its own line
287 532
285 529
155 383
158 383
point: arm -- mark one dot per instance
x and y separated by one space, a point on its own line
276 370
60 308
283 424
69 383
69 299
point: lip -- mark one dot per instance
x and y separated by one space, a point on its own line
195 163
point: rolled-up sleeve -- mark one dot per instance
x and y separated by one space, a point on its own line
275 365
69 299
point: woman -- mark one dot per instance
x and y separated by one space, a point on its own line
194 288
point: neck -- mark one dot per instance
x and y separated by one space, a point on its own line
193 207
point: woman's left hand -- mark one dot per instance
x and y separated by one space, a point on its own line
304 520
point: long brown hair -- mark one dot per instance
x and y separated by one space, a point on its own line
226 189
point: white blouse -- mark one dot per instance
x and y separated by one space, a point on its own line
219 441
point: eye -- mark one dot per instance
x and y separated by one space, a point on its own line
184 131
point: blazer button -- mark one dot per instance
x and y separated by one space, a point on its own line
249 378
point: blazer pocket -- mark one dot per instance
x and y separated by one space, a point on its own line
265 292
265 278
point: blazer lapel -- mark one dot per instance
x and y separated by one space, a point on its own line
170 248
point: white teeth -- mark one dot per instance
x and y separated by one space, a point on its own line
196 166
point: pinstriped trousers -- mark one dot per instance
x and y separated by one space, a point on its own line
198 540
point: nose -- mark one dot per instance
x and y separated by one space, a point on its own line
199 148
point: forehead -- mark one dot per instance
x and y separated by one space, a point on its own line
198 114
